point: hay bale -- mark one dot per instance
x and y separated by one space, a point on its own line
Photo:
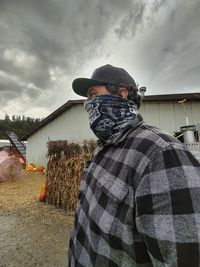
10 169
64 170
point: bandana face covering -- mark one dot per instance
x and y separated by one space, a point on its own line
110 117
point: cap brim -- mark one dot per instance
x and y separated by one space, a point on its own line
81 85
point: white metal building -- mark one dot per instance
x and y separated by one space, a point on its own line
4 142
70 121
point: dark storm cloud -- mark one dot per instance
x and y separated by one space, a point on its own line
163 54
54 34
175 54
45 44
130 22
28 29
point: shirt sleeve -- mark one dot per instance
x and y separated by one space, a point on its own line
168 208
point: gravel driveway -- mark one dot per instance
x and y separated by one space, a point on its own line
31 233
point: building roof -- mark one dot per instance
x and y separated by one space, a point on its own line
146 98
172 97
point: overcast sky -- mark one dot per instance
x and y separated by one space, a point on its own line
45 44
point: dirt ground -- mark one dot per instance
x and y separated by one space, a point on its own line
31 233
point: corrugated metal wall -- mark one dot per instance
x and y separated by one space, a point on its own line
73 125
170 116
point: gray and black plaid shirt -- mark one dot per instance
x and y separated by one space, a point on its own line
139 204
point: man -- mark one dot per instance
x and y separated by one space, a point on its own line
140 196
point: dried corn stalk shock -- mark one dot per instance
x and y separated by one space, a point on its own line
66 162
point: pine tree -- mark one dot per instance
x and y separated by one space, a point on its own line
21 125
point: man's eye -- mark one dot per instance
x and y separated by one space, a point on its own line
92 95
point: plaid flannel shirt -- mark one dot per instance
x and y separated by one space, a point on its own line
139 204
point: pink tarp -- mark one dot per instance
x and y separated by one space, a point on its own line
10 168
3 155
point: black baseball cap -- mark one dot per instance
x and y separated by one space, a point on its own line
106 74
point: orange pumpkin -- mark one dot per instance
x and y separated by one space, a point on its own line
29 168
42 194
32 164
40 168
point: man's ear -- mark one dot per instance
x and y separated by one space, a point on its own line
123 92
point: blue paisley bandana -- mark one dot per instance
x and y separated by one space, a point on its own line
110 117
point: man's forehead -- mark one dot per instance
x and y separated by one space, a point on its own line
90 88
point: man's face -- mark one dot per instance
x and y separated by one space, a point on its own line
97 90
